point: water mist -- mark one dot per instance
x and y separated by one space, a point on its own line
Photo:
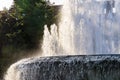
86 27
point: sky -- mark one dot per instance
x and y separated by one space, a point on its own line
57 2
7 3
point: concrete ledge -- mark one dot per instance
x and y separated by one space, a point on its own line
79 67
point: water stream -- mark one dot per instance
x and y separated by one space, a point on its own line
86 27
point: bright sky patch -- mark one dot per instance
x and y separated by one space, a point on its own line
5 4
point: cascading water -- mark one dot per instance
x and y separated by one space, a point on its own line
86 27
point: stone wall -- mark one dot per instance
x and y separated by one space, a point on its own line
95 67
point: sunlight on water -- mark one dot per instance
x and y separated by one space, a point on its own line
86 27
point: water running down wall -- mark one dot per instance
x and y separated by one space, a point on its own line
98 67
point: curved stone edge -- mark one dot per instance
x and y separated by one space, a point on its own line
90 61
23 64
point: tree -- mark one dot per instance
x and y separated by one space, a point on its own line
36 13
21 28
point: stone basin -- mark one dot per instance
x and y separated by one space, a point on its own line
78 67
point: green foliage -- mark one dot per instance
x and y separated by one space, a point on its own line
10 29
36 13
21 28
23 24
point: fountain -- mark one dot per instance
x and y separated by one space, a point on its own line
88 28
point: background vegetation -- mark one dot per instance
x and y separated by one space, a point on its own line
21 29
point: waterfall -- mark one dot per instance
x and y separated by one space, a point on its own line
86 27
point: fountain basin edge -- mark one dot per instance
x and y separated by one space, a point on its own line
78 67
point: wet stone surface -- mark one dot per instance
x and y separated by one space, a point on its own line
94 67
